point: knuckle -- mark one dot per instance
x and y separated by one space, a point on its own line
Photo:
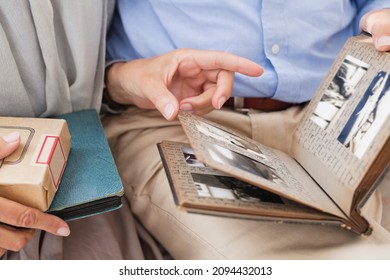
27 218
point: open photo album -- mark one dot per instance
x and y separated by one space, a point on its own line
340 150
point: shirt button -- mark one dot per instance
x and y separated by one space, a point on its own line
275 49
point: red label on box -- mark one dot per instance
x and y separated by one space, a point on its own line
52 154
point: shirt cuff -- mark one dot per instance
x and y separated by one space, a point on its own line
108 104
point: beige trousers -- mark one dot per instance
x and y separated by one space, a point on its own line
133 136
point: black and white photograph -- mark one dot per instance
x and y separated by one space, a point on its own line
340 89
190 157
368 117
222 135
225 187
232 158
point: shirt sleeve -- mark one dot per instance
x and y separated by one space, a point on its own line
109 106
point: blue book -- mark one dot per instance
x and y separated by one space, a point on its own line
90 183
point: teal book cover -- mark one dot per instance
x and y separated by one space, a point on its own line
90 183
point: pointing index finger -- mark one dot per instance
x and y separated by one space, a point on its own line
210 60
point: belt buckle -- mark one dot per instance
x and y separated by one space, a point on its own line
238 104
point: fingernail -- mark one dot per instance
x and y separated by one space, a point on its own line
186 107
63 231
11 137
383 41
168 111
221 101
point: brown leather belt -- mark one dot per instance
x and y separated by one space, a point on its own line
244 104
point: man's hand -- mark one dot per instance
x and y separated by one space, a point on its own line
190 80
17 222
377 23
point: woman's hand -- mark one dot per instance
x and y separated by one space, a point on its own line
17 222
190 80
8 144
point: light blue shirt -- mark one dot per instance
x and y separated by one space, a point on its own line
295 41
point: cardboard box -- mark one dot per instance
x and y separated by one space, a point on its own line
31 175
